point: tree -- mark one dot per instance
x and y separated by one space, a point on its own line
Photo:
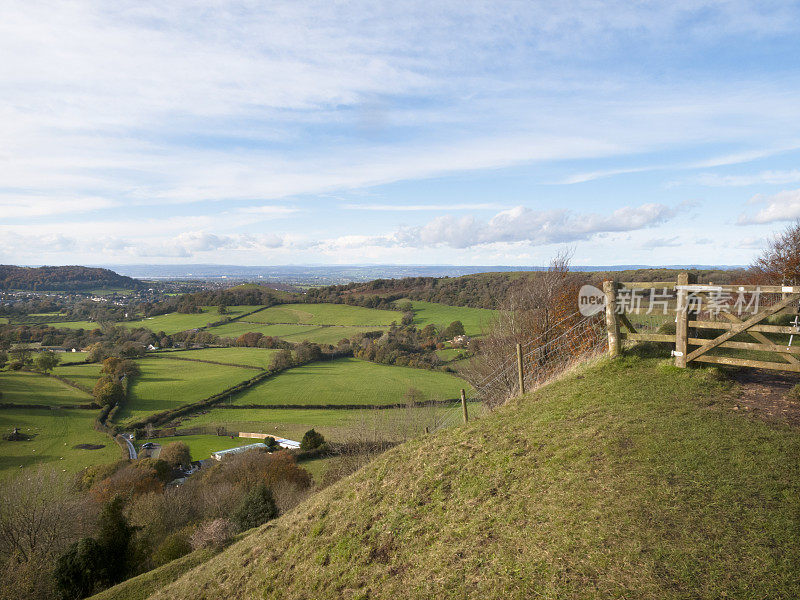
114 538
3 359
311 440
20 354
222 309
108 392
779 262
176 455
272 443
46 361
454 329
80 569
282 360
256 508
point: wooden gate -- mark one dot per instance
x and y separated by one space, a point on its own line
690 345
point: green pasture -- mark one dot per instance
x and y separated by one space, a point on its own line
201 446
237 328
451 354
251 357
55 432
175 322
326 314
351 381
70 357
337 425
20 387
475 320
85 375
166 384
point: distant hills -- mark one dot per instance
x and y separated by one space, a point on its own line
69 278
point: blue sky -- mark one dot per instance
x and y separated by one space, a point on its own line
397 132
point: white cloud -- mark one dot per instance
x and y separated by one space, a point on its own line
419 207
762 178
783 206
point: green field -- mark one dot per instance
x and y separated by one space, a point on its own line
294 333
351 381
475 320
237 328
166 384
70 357
175 322
252 357
450 354
55 433
337 425
21 387
326 314
201 446
85 375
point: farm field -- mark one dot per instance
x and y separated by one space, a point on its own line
85 375
201 446
351 381
293 333
175 322
70 357
326 314
252 357
20 387
338 425
237 328
448 354
475 320
55 433
166 384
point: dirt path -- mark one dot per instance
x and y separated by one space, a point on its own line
765 395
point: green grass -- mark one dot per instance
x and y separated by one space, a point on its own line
337 425
141 586
351 381
475 320
449 354
326 314
73 356
627 479
175 322
55 433
237 328
201 446
253 357
293 333
85 375
166 384
20 387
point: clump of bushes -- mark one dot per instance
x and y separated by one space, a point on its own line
212 534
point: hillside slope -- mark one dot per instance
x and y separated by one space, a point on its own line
630 479
70 278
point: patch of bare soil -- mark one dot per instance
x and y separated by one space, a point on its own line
766 395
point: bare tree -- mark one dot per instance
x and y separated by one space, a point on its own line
538 309
779 262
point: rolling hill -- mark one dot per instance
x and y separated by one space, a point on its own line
626 478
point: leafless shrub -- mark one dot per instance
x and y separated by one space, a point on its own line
212 534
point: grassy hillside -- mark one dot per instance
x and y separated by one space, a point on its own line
54 433
326 314
351 381
19 387
475 320
629 479
166 384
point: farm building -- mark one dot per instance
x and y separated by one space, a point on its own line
282 442
220 454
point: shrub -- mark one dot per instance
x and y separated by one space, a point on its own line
176 455
79 569
173 547
212 534
311 440
794 392
256 508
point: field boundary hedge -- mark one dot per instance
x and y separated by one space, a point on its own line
47 406
210 362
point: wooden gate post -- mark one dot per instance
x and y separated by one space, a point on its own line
464 405
520 372
682 322
612 323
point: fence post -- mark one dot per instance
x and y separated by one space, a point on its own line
520 372
464 405
612 324
681 322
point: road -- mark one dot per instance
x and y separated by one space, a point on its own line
131 448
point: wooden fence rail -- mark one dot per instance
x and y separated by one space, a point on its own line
690 347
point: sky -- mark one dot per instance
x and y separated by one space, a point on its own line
436 132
